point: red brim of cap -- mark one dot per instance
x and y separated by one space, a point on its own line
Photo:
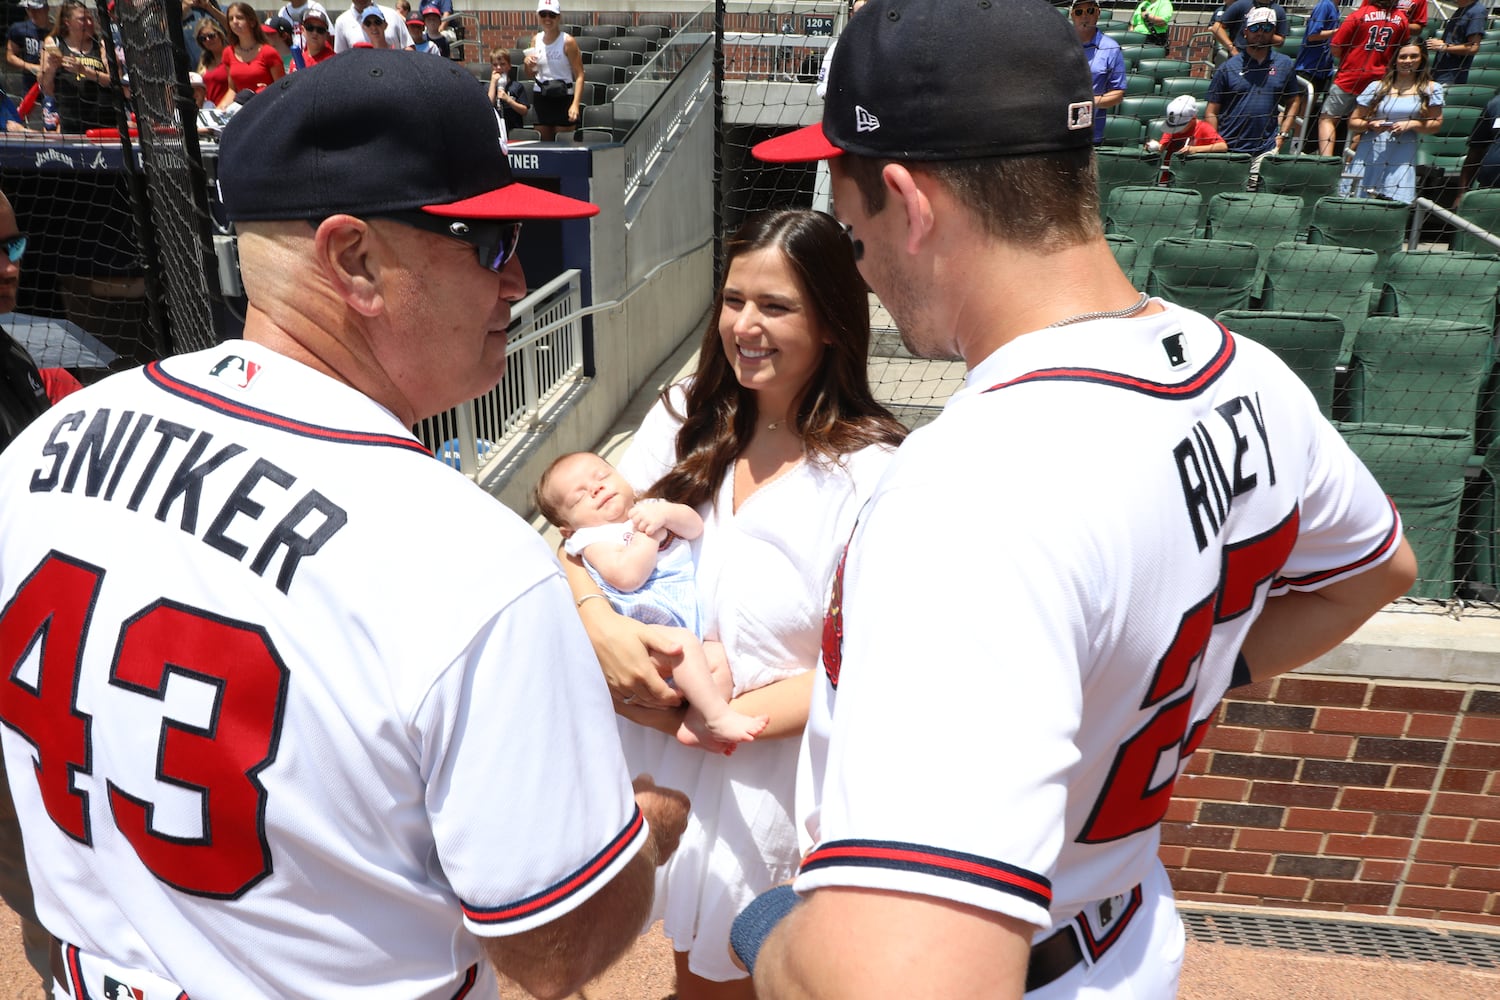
516 201
802 146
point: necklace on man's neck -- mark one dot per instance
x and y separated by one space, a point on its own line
1129 310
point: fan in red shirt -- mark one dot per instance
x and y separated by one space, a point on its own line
1185 132
253 63
1363 45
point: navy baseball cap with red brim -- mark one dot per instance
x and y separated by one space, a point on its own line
1038 97
344 137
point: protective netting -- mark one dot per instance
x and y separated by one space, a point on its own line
1385 308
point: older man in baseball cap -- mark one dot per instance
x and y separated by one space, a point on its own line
1140 508
292 747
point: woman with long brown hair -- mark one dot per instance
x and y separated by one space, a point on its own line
254 64
776 440
1393 113
213 42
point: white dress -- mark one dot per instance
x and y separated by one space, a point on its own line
763 576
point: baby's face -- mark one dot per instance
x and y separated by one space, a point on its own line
589 492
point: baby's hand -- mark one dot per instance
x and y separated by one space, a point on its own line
648 518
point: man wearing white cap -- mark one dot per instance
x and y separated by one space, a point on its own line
1254 96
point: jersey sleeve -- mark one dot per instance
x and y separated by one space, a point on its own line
1347 523
1345 32
530 804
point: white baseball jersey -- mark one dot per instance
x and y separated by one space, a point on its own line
291 708
1042 604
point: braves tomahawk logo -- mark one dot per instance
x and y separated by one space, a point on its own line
235 371
833 625
864 121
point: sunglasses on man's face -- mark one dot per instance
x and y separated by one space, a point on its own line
1084 11
545 14
14 247
316 29
494 241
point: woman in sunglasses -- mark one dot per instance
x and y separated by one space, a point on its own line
74 72
213 41
556 64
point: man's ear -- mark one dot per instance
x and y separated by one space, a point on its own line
346 250
901 184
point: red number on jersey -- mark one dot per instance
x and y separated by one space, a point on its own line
50 611
1133 800
53 607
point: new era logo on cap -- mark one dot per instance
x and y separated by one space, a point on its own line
864 121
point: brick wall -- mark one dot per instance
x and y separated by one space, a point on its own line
1343 794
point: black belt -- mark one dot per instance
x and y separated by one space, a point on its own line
1052 958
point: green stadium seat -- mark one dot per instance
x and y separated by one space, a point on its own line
1209 276
1373 223
1160 68
1128 38
1307 177
1302 277
1484 59
1143 106
1122 166
1210 174
1259 218
1488 77
1465 95
1309 343
1122 130
1291 46
1422 468
1134 54
1139 83
1126 250
1414 370
1442 284
1173 85
1481 207
1148 214
1459 120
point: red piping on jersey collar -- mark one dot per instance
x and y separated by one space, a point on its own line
240 411
1183 390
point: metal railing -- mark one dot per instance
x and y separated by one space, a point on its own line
673 87
544 352
1423 207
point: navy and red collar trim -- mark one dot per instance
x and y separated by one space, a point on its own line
250 414
1200 382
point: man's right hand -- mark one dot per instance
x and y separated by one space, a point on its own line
666 809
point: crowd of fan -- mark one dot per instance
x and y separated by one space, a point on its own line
1371 70
65 82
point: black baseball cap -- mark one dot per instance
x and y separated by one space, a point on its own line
930 80
344 136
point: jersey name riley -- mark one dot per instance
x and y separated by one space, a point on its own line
1209 483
